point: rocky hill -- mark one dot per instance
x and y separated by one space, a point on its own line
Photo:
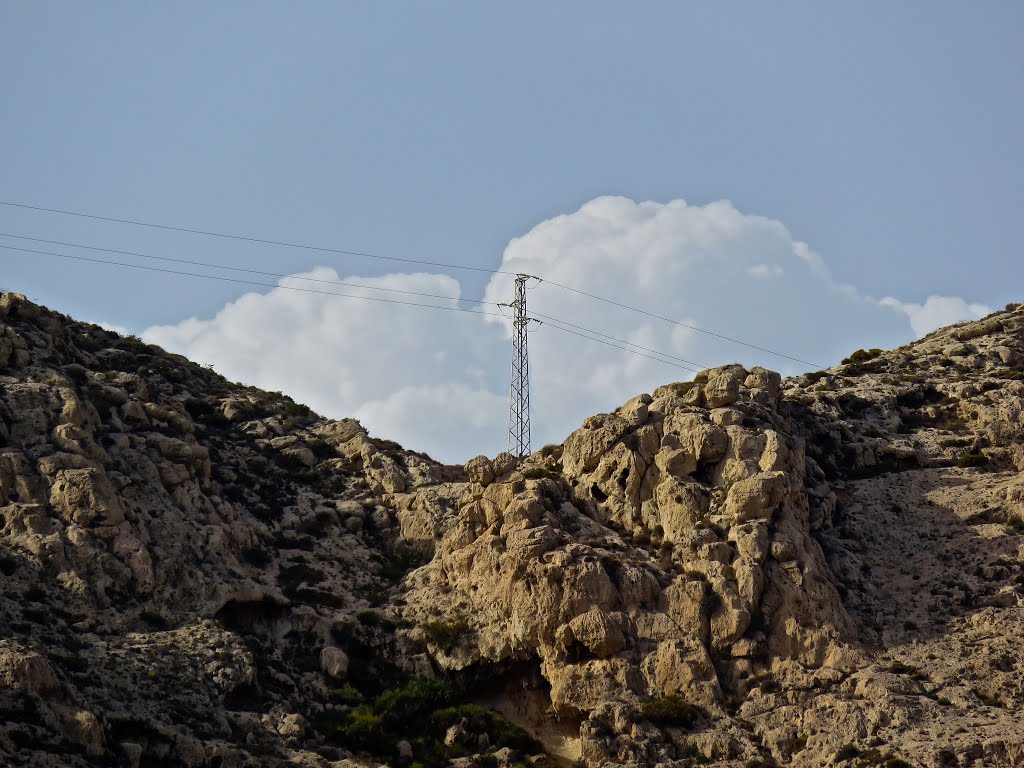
737 570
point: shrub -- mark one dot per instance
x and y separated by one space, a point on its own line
692 753
862 356
671 711
405 558
364 730
408 709
420 711
990 699
538 473
480 720
446 633
966 460
327 481
346 695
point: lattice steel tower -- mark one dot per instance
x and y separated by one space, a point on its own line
519 402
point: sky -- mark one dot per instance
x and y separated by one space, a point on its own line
807 178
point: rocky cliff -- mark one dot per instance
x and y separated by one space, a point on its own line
738 570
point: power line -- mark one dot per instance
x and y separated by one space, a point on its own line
248 239
338 251
240 281
248 282
342 283
681 324
616 346
240 269
698 369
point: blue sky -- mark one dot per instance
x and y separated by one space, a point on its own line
886 136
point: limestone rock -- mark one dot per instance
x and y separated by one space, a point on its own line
197 572
86 497
599 632
334 662
756 497
27 671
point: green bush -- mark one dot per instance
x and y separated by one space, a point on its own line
364 730
420 711
862 356
671 711
409 708
480 720
346 696
446 633
539 473
967 460
405 558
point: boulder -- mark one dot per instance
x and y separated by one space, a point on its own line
86 497
599 632
723 386
755 498
26 671
334 662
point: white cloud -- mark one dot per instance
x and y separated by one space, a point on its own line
437 381
348 356
765 271
701 265
446 421
936 312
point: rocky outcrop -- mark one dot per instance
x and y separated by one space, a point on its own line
738 569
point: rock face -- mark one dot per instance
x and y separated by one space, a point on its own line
739 569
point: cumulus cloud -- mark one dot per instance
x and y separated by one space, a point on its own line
415 374
437 380
936 312
703 265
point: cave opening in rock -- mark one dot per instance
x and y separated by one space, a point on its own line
262 616
520 693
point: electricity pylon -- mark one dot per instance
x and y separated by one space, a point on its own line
519 400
